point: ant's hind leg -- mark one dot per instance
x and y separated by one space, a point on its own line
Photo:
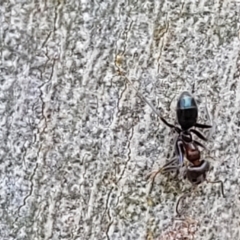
174 162
168 167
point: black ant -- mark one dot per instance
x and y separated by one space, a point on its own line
187 114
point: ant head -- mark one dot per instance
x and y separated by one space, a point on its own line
195 178
197 174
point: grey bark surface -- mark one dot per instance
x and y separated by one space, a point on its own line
77 143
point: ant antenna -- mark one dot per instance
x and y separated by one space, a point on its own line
152 177
142 97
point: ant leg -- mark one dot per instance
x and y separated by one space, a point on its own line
199 144
179 152
207 112
168 124
165 168
152 175
199 125
204 167
222 188
178 202
193 87
177 129
170 169
198 134
169 163
209 120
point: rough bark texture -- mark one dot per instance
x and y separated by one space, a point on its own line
76 140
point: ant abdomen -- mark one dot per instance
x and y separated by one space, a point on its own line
187 111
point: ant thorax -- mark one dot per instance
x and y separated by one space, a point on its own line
185 136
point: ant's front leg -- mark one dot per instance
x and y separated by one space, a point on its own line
177 129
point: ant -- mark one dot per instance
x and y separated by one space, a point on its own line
187 114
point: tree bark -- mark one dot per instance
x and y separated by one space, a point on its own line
78 140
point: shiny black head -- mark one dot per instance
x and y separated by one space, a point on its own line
187 111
